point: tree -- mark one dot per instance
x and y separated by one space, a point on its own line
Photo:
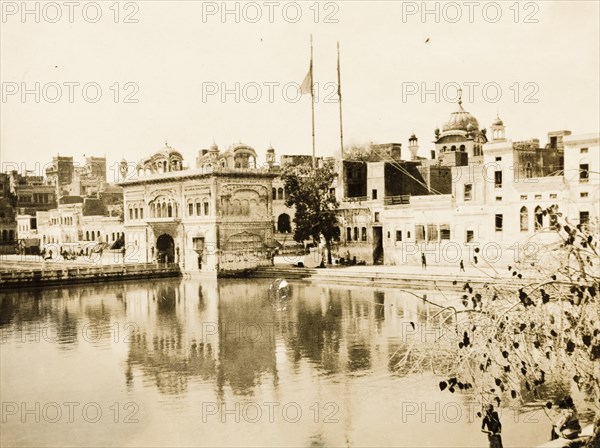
542 331
309 191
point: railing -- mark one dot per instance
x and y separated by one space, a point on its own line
397 200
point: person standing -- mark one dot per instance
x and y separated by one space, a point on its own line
462 266
423 261
494 427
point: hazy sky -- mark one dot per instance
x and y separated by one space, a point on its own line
179 52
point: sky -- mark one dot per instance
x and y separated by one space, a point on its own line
121 79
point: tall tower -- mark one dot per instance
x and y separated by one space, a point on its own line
497 129
413 146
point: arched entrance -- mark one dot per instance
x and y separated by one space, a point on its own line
283 223
165 247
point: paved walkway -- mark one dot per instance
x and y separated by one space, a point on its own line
13 261
416 271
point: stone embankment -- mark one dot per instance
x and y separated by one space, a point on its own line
57 274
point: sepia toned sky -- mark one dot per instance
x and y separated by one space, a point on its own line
538 61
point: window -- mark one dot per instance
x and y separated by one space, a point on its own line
356 234
130 214
280 193
388 235
198 245
364 234
136 213
398 235
408 234
337 232
523 197
198 208
584 218
538 218
553 196
499 222
528 170
498 198
583 151
274 193
420 233
206 208
376 218
444 231
498 159
348 233
498 179
374 194
468 192
432 232
583 194
538 196
584 172
470 236
190 209
524 219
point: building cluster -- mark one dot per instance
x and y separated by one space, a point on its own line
477 194
480 196
69 210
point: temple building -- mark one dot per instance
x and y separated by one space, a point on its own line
217 217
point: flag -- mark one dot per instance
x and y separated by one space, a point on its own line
306 86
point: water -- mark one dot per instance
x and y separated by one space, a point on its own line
198 362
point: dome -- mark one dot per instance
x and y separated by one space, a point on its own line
497 122
460 120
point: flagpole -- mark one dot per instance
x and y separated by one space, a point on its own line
312 98
340 99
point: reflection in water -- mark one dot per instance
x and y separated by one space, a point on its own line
189 342
278 294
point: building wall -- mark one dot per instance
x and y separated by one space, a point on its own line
583 193
67 229
469 219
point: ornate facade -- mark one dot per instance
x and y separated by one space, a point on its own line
215 218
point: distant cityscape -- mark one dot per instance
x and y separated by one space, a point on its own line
477 188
